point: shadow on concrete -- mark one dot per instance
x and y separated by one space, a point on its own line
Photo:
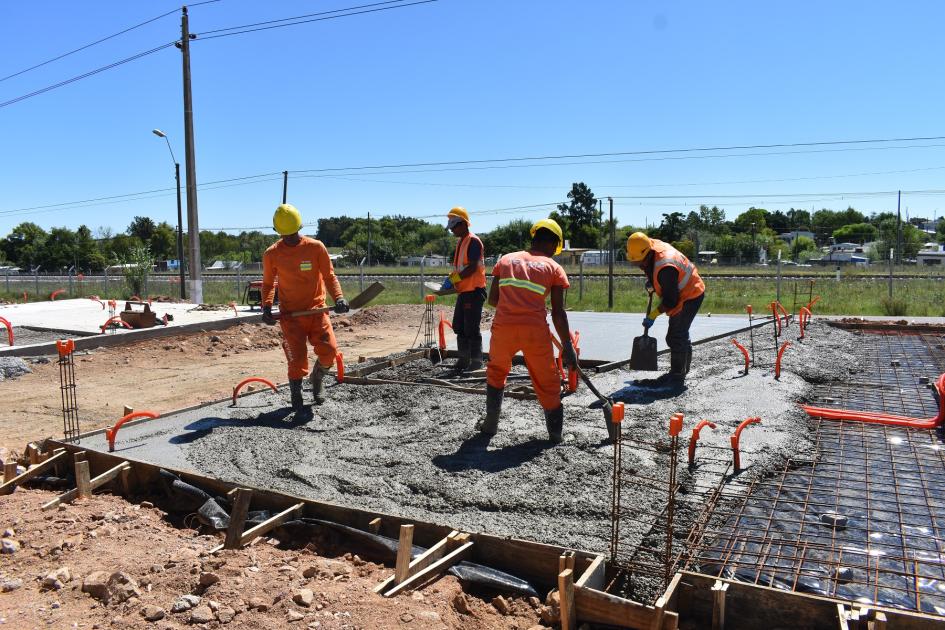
474 454
633 394
282 418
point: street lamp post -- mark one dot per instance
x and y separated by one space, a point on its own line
180 222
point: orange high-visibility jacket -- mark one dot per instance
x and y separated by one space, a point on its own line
304 271
690 283
461 260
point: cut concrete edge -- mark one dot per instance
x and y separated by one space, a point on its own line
87 341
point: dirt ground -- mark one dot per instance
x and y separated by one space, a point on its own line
179 371
145 565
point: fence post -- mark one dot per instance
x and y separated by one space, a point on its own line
239 280
581 280
891 250
70 283
422 258
361 276
36 279
105 283
779 275
7 274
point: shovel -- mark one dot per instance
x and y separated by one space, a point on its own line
607 408
358 301
643 355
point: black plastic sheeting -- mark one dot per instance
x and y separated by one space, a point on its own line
210 512
885 486
385 548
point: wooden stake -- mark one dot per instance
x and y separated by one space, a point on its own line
97 482
404 549
718 604
9 471
879 622
83 481
375 525
237 518
32 452
436 568
127 411
9 484
566 595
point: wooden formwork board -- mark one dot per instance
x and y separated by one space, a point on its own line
749 606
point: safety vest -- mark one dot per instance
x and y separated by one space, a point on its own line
461 260
690 284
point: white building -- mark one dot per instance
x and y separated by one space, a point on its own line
931 254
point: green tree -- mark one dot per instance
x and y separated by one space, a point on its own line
331 229
940 231
89 254
712 218
138 267
580 218
141 227
687 247
163 242
671 228
757 216
59 252
856 232
24 245
511 237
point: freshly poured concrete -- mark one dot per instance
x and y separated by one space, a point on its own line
412 450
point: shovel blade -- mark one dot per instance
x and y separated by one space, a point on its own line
643 355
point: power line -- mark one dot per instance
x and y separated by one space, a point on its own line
85 75
203 34
99 41
318 19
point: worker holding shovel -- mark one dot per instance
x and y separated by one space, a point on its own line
521 282
469 280
676 281
304 272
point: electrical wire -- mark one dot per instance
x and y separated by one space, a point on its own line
85 75
319 19
203 34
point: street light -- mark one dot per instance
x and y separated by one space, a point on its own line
180 222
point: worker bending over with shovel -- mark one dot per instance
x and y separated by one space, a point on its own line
301 266
521 282
469 280
676 281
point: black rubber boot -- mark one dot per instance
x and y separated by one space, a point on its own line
295 389
475 355
678 366
462 346
554 422
318 386
688 360
489 425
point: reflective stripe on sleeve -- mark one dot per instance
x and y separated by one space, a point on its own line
528 285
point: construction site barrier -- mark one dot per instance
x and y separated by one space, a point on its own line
694 439
252 379
735 437
112 432
340 368
56 293
885 418
9 327
744 352
115 320
777 363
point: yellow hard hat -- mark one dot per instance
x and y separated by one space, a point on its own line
457 213
286 220
550 224
638 246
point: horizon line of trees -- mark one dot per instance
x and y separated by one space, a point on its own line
29 246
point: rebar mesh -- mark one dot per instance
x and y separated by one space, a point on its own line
864 518
70 406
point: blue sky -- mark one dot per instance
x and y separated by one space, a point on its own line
466 80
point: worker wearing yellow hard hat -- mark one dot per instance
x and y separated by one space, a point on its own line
469 280
304 273
675 279
521 283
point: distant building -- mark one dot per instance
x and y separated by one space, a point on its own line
931 254
225 265
790 236
844 254
432 260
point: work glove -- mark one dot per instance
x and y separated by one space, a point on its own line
267 316
568 355
650 318
455 278
447 284
341 306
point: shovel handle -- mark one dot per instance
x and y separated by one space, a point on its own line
649 305
314 311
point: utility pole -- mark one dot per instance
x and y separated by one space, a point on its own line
600 222
610 269
899 227
285 186
368 239
193 229
180 231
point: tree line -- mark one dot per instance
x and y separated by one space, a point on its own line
390 238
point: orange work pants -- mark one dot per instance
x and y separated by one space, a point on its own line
297 332
535 343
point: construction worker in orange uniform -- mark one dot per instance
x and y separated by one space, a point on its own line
521 282
469 280
676 281
304 272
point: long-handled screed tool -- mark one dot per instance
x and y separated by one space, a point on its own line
607 405
358 301
643 355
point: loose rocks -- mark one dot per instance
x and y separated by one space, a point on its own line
152 613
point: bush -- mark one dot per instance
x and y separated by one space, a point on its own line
140 262
895 307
